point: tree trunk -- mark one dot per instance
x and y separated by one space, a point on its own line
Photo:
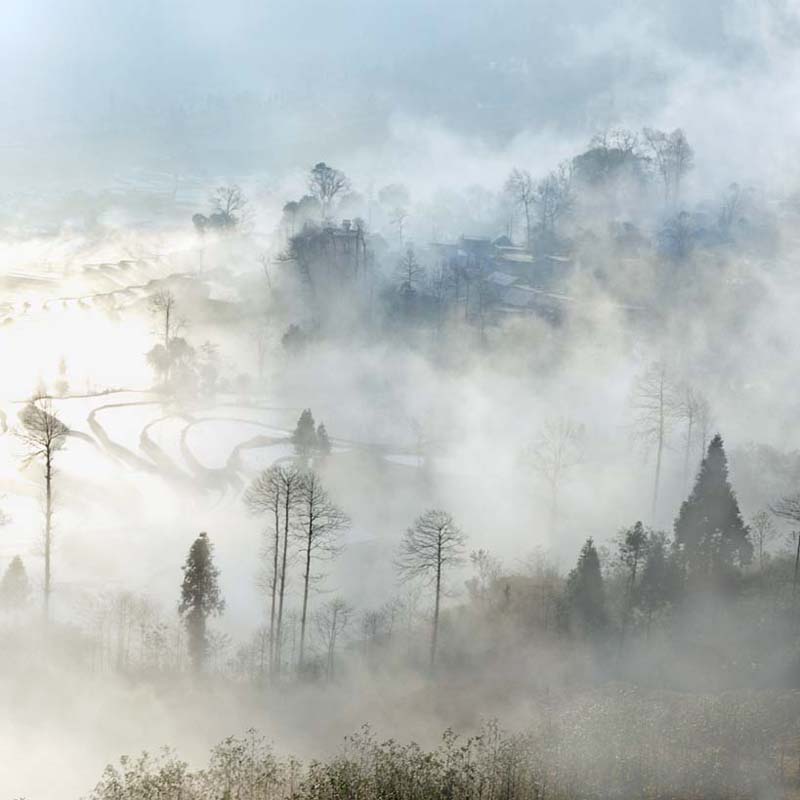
689 426
435 632
659 451
282 593
332 648
306 581
48 530
197 638
277 544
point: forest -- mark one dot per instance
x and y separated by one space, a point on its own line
350 450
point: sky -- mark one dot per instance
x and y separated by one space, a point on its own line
245 85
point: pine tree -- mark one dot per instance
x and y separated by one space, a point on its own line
15 586
304 437
709 528
584 605
323 441
660 584
200 596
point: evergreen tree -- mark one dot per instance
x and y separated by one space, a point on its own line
323 441
304 437
200 596
632 548
584 604
709 528
660 584
15 586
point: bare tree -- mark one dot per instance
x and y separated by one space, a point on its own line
672 158
788 508
620 139
398 218
325 183
429 548
319 523
332 620
653 406
229 203
162 304
519 187
553 198
705 424
44 434
264 496
558 449
409 273
689 406
487 572
762 532
290 480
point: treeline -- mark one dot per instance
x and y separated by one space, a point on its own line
712 584
619 208
708 582
713 579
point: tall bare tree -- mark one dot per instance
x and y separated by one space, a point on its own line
519 188
653 406
319 524
264 496
332 621
290 481
398 219
43 435
555 453
672 158
689 407
162 304
430 547
553 198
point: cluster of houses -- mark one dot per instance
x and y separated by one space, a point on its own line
521 282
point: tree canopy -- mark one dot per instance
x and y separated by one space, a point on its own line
709 527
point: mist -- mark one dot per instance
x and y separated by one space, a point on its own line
423 369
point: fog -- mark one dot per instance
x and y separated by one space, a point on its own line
544 256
